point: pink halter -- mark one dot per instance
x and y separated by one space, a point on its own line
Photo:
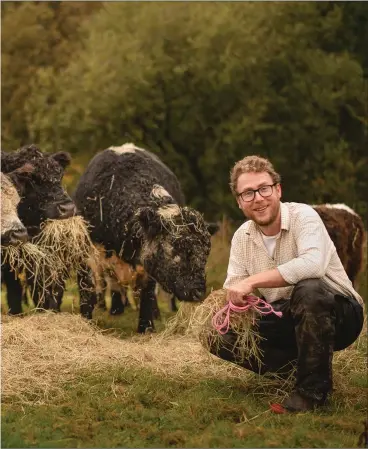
222 323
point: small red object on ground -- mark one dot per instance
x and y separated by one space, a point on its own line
278 408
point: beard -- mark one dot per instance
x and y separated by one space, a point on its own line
272 214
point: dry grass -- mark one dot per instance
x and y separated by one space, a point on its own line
43 353
43 265
69 240
196 321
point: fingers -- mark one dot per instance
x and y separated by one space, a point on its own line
236 297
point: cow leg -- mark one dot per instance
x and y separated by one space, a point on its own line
155 308
40 297
146 307
57 296
13 291
87 292
101 294
117 302
174 307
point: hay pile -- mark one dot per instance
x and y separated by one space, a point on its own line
196 321
44 353
41 353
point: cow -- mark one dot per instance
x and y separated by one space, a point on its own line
135 207
42 198
347 232
114 274
13 232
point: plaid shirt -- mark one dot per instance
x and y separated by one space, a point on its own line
304 250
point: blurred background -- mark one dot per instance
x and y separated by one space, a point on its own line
201 85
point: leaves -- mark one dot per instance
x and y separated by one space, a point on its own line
203 90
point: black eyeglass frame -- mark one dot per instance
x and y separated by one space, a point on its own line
255 191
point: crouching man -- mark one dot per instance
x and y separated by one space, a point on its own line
285 252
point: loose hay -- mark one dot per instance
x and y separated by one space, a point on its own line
44 353
41 353
69 240
196 321
41 264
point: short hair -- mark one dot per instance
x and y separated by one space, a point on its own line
252 164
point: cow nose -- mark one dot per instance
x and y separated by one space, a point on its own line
18 236
66 210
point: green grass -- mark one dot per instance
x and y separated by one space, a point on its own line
127 407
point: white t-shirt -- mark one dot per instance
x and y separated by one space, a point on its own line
270 243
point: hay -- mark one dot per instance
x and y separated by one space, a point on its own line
196 321
41 264
42 354
69 240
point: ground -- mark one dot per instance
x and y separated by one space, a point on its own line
129 405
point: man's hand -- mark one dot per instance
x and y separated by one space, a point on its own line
237 292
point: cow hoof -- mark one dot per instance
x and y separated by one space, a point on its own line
116 311
145 329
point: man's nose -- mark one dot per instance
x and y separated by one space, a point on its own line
260 197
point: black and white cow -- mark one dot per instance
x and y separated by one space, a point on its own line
135 206
42 198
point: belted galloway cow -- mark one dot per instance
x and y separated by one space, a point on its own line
135 207
42 198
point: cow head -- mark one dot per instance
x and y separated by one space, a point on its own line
43 196
13 232
176 245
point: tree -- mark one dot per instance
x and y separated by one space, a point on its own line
203 90
34 35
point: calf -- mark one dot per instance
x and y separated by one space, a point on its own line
136 208
42 198
346 230
113 273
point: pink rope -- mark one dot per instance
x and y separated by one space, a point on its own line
221 321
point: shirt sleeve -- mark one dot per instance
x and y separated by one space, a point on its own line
236 270
314 248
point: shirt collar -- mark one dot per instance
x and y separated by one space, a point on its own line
285 217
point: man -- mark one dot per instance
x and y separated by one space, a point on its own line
285 252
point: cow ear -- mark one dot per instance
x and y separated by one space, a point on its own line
150 222
62 157
212 228
20 176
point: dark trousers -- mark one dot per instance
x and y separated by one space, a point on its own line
316 321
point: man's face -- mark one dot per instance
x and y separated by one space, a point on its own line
262 211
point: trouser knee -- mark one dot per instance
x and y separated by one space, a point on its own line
311 295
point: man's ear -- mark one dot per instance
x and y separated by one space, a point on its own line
63 158
21 176
279 190
150 221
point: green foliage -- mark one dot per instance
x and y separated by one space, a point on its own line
203 85
34 35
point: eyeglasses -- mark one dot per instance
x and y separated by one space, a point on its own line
264 191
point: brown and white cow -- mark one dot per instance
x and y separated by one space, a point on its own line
346 230
13 231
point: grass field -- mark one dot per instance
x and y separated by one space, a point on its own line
72 385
